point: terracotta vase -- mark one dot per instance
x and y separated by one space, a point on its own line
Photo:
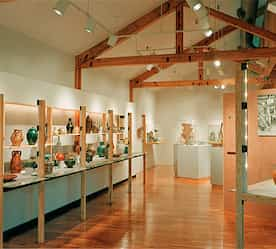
274 176
88 124
17 137
16 163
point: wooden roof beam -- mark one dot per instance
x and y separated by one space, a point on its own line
204 42
184 83
133 28
187 57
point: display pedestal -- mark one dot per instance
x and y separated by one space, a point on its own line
192 161
216 165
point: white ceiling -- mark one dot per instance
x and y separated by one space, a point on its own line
36 19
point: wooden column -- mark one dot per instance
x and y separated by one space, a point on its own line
179 28
241 150
200 70
104 127
144 141
78 76
129 152
2 135
131 94
41 170
110 155
83 160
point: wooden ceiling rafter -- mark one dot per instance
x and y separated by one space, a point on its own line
133 28
185 83
186 57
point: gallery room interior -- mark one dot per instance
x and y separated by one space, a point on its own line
138 124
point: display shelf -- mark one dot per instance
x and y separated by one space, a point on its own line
264 191
215 144
60 172
23 146
22 181
66 134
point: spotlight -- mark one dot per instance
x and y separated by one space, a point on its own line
89 25
216 87
61 7
208 32
217 63
223 87
197 7
112 40
149 67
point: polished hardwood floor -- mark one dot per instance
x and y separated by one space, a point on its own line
168 213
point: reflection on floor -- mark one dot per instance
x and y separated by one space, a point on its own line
171 213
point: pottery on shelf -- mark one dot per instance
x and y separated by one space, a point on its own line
121 122
16 163
89 124
32 136
101 150
17 137
59 156
69 126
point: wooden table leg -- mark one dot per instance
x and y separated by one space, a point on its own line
145 168
41 217
129 175
110 184
83 195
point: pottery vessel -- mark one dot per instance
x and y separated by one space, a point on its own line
32 136
69 126
101 150
59 156
89 124
17 137
16 163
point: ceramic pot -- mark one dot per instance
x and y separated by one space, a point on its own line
69 126
32 136
274 176
16 163
89 124
101 150
59 157
17 137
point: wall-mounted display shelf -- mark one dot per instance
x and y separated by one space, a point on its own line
62 146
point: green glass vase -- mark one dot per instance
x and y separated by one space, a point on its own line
32 136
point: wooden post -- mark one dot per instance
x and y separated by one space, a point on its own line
104 127
2 137
78 75
110 155
41 170
131 94
129 152
241 150
82 160
50 131
179 28
144 141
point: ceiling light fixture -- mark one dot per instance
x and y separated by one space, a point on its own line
217 63
223 87
112 40
149 67
61 7
89 25
208 32
197 7
216 87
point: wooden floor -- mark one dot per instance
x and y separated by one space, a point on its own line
171 213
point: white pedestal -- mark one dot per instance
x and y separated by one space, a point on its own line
217 165
192 161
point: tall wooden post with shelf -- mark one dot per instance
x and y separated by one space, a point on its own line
110 155
241 150
83 160
129 152
144 141
2 133
41 170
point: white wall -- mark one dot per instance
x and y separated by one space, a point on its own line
201 106
28 57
